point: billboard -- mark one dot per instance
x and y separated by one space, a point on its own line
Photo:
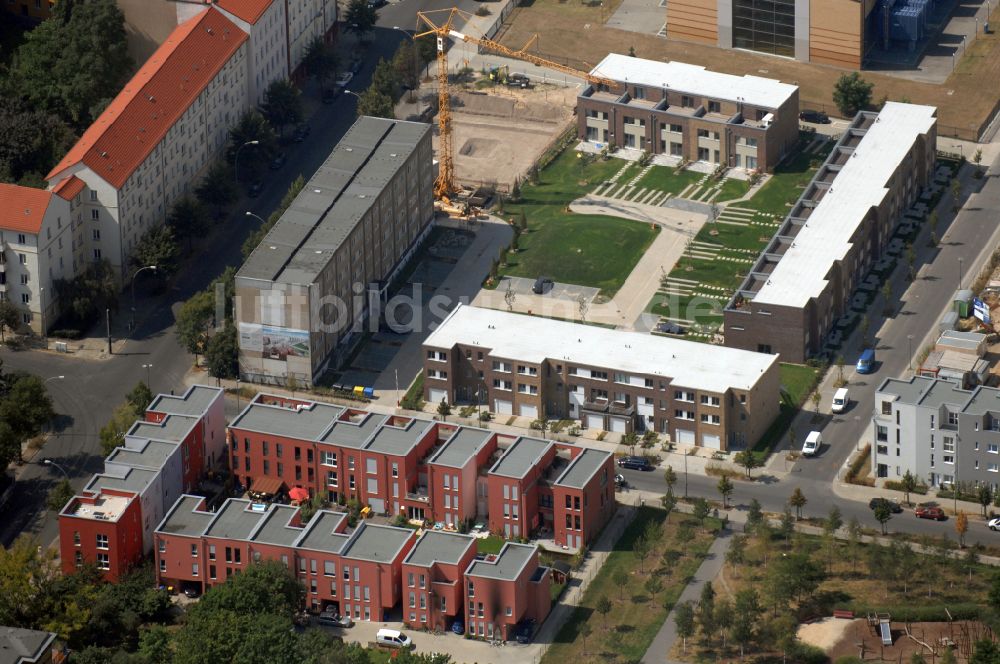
981 310
277 343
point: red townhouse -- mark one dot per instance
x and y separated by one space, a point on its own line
457 487
103 527
583 498
505 589
514 487
433 572
160 458
356 573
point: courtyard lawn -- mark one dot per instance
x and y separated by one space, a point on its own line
788 181
588 250
637 608
797 381
491 544
733 188
665 178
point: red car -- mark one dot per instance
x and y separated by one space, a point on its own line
927 512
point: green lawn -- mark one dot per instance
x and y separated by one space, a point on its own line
636 614
797 381
733 188
588 250
491 544
787 182
669 179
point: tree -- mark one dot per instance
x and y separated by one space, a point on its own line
670 477
217 189
736 555
684 621
864 325
755 515
669 502
908 484
961 527
374 103
222 352
725 488
444 409
787 524
510 296
154 644
140 397
112 434
26 408
32 141
851 94
834 520
603 607
59 495
706 611
948 656
985 496
620 578
641 548
882 514
360 18
956 191
746 613
10 317
320 61
583 631
74 63
854 532
252 126
188 219
701 510
630 440
911 259
193 320
157 247
986 652
90 293
406 63
798 501
748 460
282 105
887 304
386 79
816 399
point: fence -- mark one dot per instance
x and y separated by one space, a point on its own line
505 11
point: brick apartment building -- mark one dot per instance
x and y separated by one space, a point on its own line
607 379
806 277
504 589
111 521
938 431
304 294
423 469
691 113
433 573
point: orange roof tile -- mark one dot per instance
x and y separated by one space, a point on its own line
22 208
248 10
153 100
68 188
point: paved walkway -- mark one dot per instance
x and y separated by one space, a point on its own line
659 649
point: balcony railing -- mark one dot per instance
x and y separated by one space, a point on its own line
420 495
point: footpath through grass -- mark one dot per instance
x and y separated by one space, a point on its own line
652 586
583 249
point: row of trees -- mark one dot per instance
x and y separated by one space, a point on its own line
392 77
25 407
60 79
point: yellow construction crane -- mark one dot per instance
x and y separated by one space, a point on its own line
442 29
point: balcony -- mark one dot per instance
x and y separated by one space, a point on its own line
420 495
619 408
596 406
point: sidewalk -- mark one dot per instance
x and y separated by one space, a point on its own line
663 643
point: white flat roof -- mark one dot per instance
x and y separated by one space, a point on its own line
695 79
533 339
859 186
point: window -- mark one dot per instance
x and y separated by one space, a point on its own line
472 591
194 569
714 107
328 458
194 550
992 468
508 611
163 563
881 433
211 572
96 234
95 215
767 26
25 298
103 561
887 408
948 444
76 541
992 448
329 568
709 401
102 541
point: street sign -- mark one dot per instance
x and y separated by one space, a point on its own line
981 310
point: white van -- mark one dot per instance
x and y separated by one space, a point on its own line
392 638
814 441
840 400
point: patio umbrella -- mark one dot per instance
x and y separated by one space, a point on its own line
298 493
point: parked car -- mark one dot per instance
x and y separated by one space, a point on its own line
375 4
301 132
620 481
817 117
279 160
840 400
458 627
518 81
635 463
253 191
866 363
344 78
666 327
393 638
525 630
814 441
994 523
891 504
332 618
930 512
542 284
192 591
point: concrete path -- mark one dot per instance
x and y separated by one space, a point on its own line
659 649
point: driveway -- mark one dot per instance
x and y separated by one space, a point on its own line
460 648
556 291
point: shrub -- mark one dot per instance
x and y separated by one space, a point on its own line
66 334
857 465
893 485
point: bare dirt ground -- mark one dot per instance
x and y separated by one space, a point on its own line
961 634
824 633
497 135
575 34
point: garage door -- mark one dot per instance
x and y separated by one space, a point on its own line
501 407
618 425
595 422
685 437
437 395
529 411
712 442
377 505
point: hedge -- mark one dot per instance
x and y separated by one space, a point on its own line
907 613
893 485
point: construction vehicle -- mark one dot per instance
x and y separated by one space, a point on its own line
444 186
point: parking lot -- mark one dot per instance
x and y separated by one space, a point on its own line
557 291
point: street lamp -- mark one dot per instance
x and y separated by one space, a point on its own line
52 378
50 462
236 160
258 218
41 308
959 271
147 367
134 275
352 92
909 351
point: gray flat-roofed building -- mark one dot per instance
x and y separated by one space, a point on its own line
172 428
194 402
439 547
275 527
25 646
354 432
323 532
582 468
235 520
134 479
377 543
399 440
186 517
507 565
307 423
521 457
151 454
464 444
315 276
